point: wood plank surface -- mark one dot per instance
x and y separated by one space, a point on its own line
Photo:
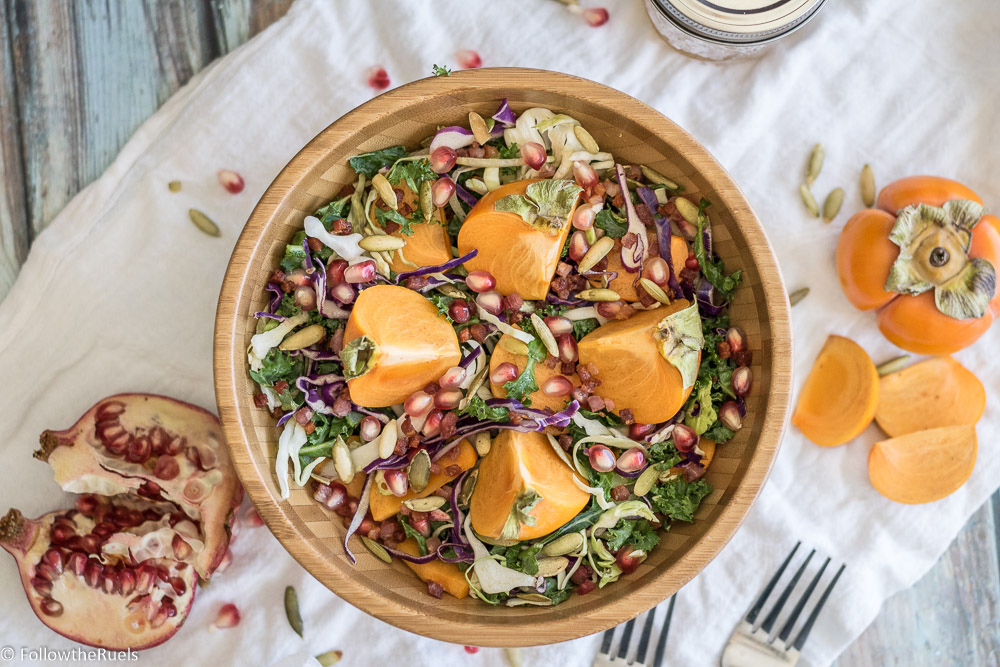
76 80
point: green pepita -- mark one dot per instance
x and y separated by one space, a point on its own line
427 504
598 295
868 186
893 365
513 656
305 337
687 210
419 471
292 610
551 566
809 200
385 191
535 597
586 139
548 340
513 345
655 291
482 442
567 544
657 178
203 222
342 461
647 480
468 487
377 549
381 243
798 295
815 164
329 658
831 207
596 253
174 186
427 200
478 127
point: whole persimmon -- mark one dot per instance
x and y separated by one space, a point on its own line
925 259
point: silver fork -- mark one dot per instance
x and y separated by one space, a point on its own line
605 659
752 644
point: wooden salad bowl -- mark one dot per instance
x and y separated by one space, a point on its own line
633 132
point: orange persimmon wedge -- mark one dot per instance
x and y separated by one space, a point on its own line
931 394
631 369
539 399
624 282
862 274
521 468
840 395
924 466
447 574
384 506
930 190
414 344
428 245
522 258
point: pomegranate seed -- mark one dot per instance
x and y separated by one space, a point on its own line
53 558
609 309
557 385
568 350
459 311
231 181
43 586
632 460
432 425
638 431
583 218
139 450
378 78
181 548
534 154
585 176
228 617
397 482
93 573
491 302
656 269
468 59
729 415
505 372
558 325
418 404
448 399
625 561
480 281
369 428
442 190
305 298
453 377
742 380
335 272
46 571
343 292
595 16
443 159
62 533
602 459
578 246
87 504
737 340
51 607
362 272
685 438
471 650
91 544
691 263
331 496
166 468
178 585
76 563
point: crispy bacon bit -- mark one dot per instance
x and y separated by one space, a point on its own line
563 269
644 214
277 413
434 588
303 415
551 362
400 447
464 335
478 332
260 400
566 441
477 151
392 227
315 244
405 210
618 200
346 191
609 405
723 350
513 301
627 416
491 151
568 368
582 574
645 298
516 418
693 471
309 428
454 470
413 441
280 387
342 227
620 493
406 426
625 312
595 403
629 240
448 426
341 407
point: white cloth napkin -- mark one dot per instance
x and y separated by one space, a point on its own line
119 293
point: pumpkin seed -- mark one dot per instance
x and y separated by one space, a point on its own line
513 345
535 597
387 440
377 549
385 191
482 442
655 291
381 243
343 461
809 200
468 487
452 291
478 127
548 340
656 177
329 658
596 253
831 207
567 544
380 484
203 222
174 186
893 365
797 295
586 139
687 210
647 480
305 337
513 656
550 567
419 471
815 164
292 610
867 186
427 200
598 295
425 504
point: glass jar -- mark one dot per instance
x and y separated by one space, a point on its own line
728 29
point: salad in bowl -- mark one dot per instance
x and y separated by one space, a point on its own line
504 358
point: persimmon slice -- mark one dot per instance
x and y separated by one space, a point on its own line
406 345
933 393
631 369
624 283
451 578
384 506
840 395
428 245
924 466
524 489
539 399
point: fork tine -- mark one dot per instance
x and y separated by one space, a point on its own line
606 642
661 643
626 638
804 632
759 604
772 616
647 631
800 605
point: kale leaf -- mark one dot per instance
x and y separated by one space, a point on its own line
613 225
370 163
714 270
679 499
523 385
388 215
335 210
414 172
278 365
640 533
478 409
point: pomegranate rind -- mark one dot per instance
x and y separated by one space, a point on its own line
82 463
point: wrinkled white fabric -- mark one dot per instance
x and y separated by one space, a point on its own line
119 293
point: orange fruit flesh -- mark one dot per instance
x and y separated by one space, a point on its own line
521 258
864 256
924 466
384 506
624 283
930 394
516 462
428 245
447 574
415 344
539 399
631 369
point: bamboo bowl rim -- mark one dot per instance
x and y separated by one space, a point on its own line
505 628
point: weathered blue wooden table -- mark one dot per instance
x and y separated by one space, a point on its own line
78 77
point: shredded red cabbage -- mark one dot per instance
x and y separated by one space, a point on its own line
706 296
270 316
394 462
472 356
504 115
423 271
318 355
452 136
309 258
359 516
277 294
467 197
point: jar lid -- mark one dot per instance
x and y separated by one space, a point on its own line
738 21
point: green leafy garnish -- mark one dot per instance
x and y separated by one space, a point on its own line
522 559
637 532
707 414
613 225
335 210
370 163
278 365
478 409
520 514
714 380
382 216
412 532
328 429
678 499
583 327
664 454
295 254
524 384
714 270
438 70
414 172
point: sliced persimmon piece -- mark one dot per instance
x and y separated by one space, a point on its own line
864 255
930 394
624 283
930 190
539 399
521 256
395 342
524 489
451 578
924 466
384 506
914 323
633 372
840 395
428 245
